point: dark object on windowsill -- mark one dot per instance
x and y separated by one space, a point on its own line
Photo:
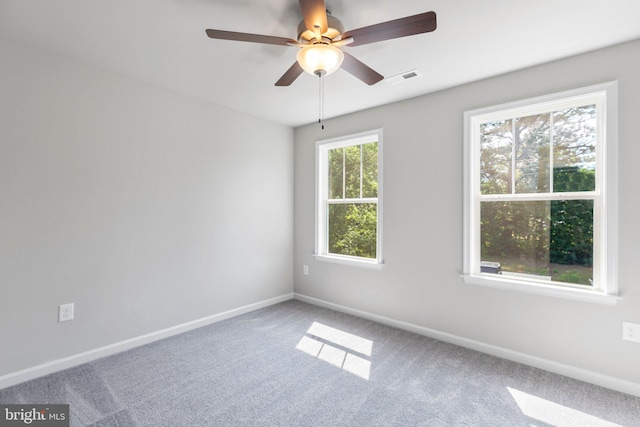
490 267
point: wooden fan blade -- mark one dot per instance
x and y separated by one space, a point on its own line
246 37
290 76
315 15
408 26
360 70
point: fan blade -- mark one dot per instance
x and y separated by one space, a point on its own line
408 26
290 76
246 37
315 15
360 70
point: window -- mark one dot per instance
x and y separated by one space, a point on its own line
349 199
540 195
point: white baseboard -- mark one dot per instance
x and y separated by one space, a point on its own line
81 358
602 380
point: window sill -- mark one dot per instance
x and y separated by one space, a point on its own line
353 261
542 289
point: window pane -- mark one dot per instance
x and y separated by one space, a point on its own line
574 152
532 154
352 229
548 240
572 234
336 169
496 142
352 172
573 179
370 170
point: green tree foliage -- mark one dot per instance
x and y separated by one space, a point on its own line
572 220
515 229
353 177
352 229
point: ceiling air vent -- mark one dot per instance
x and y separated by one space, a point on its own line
401 78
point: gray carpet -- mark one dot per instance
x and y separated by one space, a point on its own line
295 364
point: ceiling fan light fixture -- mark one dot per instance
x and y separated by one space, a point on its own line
320 58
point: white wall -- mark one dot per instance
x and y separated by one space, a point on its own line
423 200
145 208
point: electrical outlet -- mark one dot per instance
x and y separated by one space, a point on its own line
631 331
305 270
65 312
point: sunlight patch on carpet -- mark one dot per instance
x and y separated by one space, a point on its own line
553 413
338 348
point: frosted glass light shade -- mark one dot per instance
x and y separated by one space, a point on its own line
320 58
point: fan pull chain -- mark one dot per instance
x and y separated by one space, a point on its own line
321 99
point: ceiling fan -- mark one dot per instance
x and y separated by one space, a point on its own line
321 37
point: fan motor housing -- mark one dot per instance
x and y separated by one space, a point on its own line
335 30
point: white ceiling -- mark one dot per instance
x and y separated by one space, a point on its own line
163 42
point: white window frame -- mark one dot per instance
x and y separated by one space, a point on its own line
605 196
322 192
